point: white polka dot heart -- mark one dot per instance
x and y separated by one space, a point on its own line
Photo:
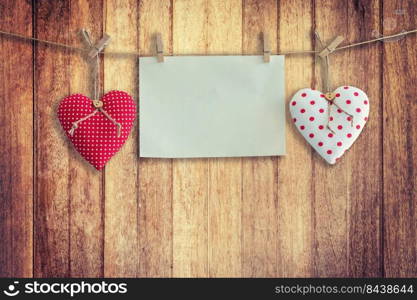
330 123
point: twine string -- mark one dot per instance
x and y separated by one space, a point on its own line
327 83
134 53
75 124
327 73
96 76
118 125
96 83
326 63
96 67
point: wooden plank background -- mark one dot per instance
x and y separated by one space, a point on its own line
239 217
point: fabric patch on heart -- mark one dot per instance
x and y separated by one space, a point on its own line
97 129
330 126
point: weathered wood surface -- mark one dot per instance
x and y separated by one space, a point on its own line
16 142
399 119
277 216
347 198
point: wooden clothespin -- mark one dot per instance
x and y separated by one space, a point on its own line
267 47
97 48
331 47
159 48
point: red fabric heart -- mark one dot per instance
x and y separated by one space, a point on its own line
96 137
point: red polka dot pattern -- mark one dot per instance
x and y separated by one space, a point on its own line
348 117
96 138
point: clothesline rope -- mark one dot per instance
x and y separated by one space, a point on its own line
62 45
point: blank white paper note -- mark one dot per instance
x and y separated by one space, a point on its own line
211 106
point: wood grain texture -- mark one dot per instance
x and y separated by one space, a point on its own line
155 175
190 176
364 183
292 216
85 189
330 184
52 149
224 36
260 175
294 236
349 193
16 142
400 135
121 245
68 210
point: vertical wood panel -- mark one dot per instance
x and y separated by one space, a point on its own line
155 175
190 176
224 36
121 173
52 240
400 135
16 138
365 176
260 183
206 217
331 193
295 169
85 190
330 187
68 208
348 195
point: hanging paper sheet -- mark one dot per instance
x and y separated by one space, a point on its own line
211 106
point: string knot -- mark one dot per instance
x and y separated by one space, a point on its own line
72 130
119 129
117 124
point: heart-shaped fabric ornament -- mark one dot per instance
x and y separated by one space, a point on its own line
98 129
330 122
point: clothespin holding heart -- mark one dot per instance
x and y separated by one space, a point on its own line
324 54
332 46
99 46
159 48
266 47
96 103
94 52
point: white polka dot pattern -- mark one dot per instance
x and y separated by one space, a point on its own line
96 138
310 114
